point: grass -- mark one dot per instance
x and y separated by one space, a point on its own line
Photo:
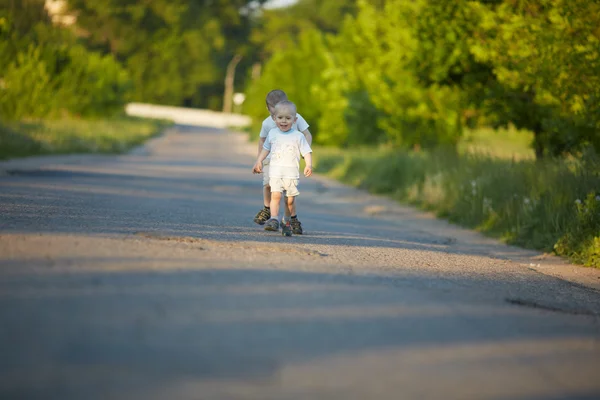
492 184
64 136
507 143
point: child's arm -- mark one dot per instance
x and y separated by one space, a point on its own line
257 169
303 127
262 136
261 143
307 136
308 167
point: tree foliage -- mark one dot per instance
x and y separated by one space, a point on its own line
413 73
176 51
545 55
46 72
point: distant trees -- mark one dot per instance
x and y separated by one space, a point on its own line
45 72
408 73
162 51
175 51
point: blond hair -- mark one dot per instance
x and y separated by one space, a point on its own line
288 104
275 96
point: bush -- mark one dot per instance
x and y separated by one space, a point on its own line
581 242
28 87
44 72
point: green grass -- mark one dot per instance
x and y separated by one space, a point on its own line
64 136
501 143
497 189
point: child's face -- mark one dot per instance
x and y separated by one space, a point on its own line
284 118
271 109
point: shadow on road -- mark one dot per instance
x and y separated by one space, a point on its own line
185 329
181 200
139 334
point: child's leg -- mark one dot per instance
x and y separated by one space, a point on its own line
265 213
266 186
290 208
287 210
292 192
275 200
267 195
276 191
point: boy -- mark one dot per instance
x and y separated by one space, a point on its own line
274 97
285 145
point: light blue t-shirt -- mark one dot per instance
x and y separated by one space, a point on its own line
285 151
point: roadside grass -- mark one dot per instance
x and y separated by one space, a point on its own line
508 143
498 189
70 135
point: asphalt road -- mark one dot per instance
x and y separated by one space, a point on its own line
143 277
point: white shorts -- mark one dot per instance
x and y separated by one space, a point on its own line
287 185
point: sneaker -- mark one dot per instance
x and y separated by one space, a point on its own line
296 226
272 225
282 223
262 216
286 230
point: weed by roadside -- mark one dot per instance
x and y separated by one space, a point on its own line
62 136
552 205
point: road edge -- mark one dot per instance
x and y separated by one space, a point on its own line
45 161
535 260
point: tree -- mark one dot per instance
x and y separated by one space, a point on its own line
279 29
45 72
297 72
175 50
382 61
546 61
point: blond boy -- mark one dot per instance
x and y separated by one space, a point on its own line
274 97
285 145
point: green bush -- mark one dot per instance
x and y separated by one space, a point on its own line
581 241
28 87
45 72
92 84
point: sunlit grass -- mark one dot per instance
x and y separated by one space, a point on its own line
63 136
552 205
501 143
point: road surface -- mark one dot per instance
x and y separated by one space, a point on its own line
143 277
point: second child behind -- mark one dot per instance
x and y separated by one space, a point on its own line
285 146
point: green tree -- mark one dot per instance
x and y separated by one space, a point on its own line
403 68
279 29
46 72
296 71
175 50
545 55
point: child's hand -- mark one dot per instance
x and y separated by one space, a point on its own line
307 171
257 169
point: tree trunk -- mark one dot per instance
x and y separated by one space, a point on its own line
229 80
256 69
538 144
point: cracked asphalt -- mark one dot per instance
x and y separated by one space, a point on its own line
142 276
